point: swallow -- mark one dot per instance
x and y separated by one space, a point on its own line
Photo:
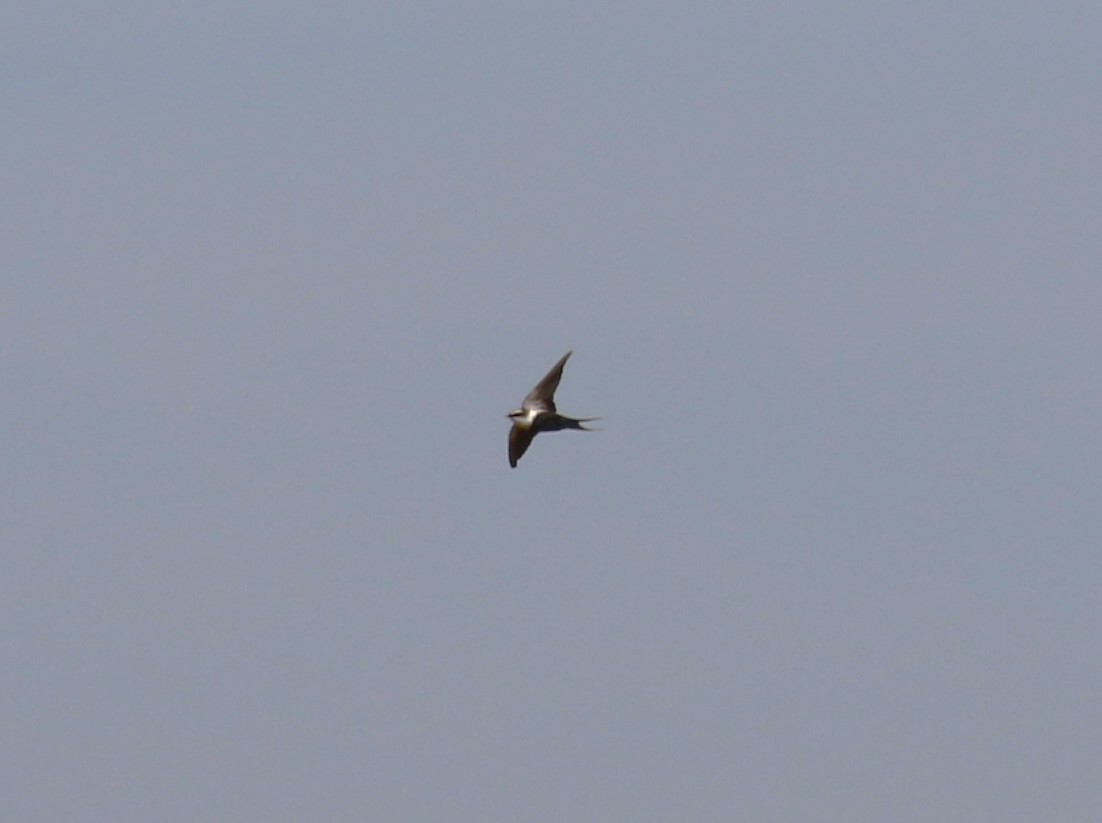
537 414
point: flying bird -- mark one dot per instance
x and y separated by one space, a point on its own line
537 414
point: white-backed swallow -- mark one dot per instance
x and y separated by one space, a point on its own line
537 414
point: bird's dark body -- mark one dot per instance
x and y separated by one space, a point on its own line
556 422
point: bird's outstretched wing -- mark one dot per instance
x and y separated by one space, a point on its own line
543 395
519 439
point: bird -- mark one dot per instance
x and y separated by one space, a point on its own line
537 414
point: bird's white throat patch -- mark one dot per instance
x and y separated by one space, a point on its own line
527 419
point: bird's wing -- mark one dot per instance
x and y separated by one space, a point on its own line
543 395
519 438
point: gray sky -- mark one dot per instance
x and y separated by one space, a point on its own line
274 273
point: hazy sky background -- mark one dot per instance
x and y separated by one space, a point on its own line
273 273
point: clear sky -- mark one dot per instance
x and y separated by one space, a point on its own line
274 272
